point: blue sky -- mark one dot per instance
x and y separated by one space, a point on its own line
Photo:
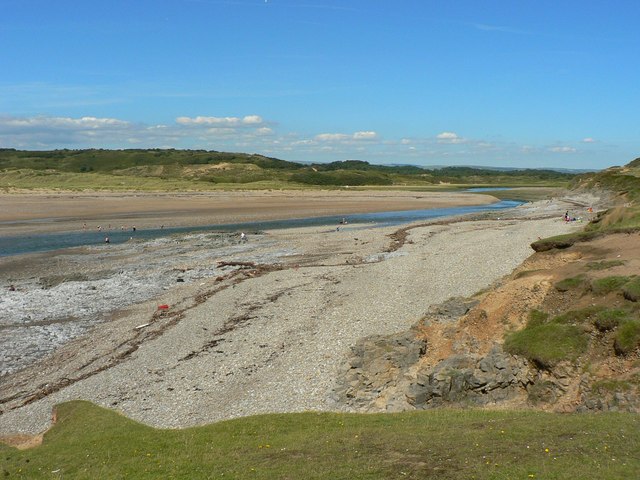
501 83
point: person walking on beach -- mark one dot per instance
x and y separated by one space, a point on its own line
243 237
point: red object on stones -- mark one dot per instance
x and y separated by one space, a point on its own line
163 307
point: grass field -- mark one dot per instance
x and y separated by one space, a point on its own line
92 443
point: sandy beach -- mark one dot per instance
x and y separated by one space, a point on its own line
50 212
264 326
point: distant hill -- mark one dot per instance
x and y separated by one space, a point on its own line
202 169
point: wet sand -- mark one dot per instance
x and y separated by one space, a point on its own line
55 212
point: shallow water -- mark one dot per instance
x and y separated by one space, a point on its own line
21 244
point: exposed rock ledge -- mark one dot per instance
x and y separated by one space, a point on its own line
454 356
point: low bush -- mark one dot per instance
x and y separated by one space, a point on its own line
610 319
631 290
602 286
547 344
627 337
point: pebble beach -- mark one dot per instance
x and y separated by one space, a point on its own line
251 327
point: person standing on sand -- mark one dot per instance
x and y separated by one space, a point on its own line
243 237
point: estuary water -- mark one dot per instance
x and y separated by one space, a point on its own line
34 243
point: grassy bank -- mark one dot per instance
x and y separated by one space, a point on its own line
89 442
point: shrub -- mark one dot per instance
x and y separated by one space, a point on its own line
547 344
605 285
631 290
569 283
610 319
627 337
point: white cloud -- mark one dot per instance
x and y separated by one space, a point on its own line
249 120
449 137
588 140
344 137
365 135
264 131
332 137
563 149
252 120
60 123
61 132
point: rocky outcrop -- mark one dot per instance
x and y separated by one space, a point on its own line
470 380
386 374
394 373
373 377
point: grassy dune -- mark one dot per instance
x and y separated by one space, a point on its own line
170 170
89 442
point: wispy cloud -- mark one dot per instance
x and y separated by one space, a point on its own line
247 121
563 149
345 137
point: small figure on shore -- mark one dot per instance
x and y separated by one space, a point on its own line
133 228
84 226
106 240
243 237
99 228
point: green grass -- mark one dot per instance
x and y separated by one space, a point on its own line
631 290
537 317
547 344
570 283
610 319
603 286
627 338
580 316
612 386
604 264
92 443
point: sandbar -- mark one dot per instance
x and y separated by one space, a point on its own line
22 213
